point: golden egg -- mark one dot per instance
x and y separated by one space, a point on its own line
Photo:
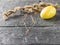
48 12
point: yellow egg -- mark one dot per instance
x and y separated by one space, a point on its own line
48 12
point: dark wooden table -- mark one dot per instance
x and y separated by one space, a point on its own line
12 32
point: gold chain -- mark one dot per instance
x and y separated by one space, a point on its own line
36 8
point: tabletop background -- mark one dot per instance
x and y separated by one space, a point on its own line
12 31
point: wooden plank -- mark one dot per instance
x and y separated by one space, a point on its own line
16 35
16 20
5 5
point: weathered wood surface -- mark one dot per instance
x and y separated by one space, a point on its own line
12 32
16 20
16 35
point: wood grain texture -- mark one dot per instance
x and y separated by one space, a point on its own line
12 31
15 19
16 35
